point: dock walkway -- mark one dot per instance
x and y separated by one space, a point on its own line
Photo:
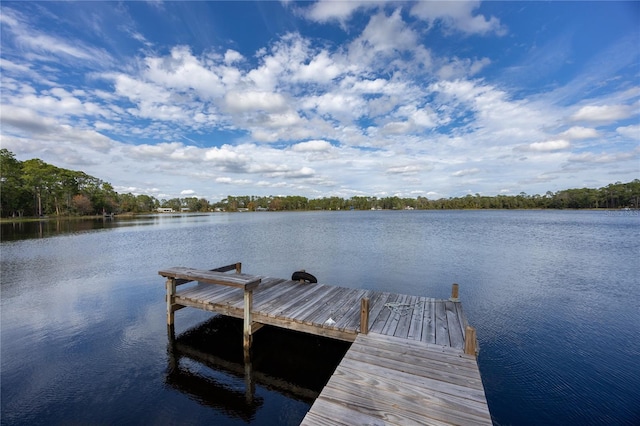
407 363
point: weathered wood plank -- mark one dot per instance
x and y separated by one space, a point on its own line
266 298
300 295
383 315
329 413
243 281
397 392
398 310
377 301
413 366
352 313
303 311
327 308
417 320
441 361
429 324
456 339
442 331
283 294
404 323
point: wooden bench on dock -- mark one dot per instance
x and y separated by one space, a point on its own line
180 275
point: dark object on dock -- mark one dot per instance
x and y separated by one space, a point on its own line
303 276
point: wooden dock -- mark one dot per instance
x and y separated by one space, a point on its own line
412 360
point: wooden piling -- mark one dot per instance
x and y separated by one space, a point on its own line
364 315
248 329
171 291
454 293
470 341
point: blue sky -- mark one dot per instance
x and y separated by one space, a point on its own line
329 98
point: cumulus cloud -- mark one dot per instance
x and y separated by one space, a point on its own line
459 16
312 146
552 145
187 192
603 113
578 132
255 101
340 11
631 132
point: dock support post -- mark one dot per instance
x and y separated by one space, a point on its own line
470 342
364 315
454 293
238 268
171 291
248 329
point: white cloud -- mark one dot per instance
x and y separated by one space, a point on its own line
552 145
231 56
48 47
466 172
631 132
604 157
603 113
405 170
187 192
255 101
340 11
312 146
578 132
182 71
320 69
458 15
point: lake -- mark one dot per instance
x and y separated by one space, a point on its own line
554 296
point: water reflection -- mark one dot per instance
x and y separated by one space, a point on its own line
50 227
206 363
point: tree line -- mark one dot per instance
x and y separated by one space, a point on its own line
35 188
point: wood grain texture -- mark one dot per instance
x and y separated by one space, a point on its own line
391 380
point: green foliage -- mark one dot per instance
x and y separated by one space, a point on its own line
35 188
613 196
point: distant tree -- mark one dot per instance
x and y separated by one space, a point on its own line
82 204
12 190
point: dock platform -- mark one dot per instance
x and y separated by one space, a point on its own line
412 360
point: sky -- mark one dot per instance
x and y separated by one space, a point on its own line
329 98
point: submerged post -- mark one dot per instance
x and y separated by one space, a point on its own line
454 292
364 315
171 291
470 342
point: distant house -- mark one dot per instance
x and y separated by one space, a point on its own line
165 210
184 209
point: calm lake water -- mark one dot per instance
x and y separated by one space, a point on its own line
554 295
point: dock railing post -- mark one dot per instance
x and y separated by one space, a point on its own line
238 268
470 342
248 329
364 315
171 291
454 292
